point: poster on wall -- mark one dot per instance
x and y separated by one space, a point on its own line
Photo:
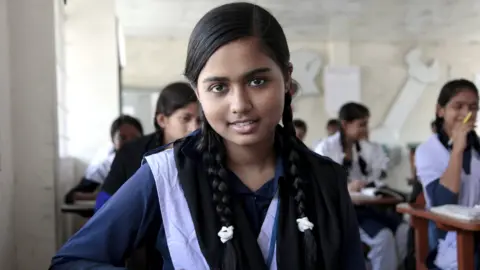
341 85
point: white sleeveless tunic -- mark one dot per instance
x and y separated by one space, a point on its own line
431 161
178 224
372 153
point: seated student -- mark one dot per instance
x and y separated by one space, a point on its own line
385 235
448 163
124 129
300 128
333 126
176 115
243 192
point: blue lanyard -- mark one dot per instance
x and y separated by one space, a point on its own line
273 237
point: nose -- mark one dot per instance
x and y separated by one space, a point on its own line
240 101
465 111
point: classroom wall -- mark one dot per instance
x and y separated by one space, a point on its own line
7 250
154 62
28 134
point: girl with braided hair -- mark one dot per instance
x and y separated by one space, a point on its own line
384 234
242 192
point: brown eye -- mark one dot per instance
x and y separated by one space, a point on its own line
256 82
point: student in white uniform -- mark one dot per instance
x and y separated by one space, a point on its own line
124 129
448 163
385 235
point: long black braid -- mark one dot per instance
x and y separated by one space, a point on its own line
214 156
349 112
298 183
347 163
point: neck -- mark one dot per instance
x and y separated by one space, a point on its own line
349 142
448 132
256 157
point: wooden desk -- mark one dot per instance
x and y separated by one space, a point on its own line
465 234
79 207
359 199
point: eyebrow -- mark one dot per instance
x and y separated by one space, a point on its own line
246 75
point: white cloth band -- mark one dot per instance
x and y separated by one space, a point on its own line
304 224
226 233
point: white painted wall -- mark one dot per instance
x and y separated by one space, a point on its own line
40 111
7 249
31 165
92 84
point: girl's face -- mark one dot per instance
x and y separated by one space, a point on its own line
124 134
242 92
356 129
457 109
180 123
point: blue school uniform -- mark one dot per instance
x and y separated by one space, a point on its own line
162 201
386 235
431 161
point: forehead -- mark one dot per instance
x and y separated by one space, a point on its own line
236 58
465 96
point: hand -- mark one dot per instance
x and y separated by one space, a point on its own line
356 185
459 135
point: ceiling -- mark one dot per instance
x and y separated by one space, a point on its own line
362 20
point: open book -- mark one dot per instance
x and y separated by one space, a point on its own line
458 211
382 192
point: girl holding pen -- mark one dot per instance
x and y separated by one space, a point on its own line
448 163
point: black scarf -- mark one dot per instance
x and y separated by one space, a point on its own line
324 200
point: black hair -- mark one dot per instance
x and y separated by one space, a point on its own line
350 112
172 97
222 25
433 124
122 120
299 123
333 123
448 91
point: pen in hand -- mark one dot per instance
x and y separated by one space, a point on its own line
465 120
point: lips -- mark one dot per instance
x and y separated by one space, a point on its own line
247 126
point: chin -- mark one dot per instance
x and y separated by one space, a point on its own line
245 139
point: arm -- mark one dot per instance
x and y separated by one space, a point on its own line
115 230
351 244
441 185
117 176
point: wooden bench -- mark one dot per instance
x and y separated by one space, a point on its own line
419 219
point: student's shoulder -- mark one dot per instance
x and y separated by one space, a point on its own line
328 143
141 144
319 164
324 162
430 148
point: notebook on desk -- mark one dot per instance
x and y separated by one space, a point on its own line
458 212
382 191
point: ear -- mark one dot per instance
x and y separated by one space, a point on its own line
288 78
161 120
343 124
440 111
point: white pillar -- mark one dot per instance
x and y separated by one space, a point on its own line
92 86
34 129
